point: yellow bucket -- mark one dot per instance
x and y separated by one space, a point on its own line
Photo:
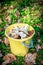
16 45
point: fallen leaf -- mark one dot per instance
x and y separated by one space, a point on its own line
38 47
42 46
27 57
41 62
1 40
8 19
34 57
18 21
6 26
25 64
11 7
5 62
38 40
11 56
17 14
24 9
6 41
31 32
29 63
30 57
0 20
8 59
0 54
4 8
0 29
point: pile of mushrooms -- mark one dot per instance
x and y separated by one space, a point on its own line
20 32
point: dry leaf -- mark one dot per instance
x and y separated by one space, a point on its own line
6 26
16 36
30 58
8 59
8 19
17 14
11 7
42 46
0 29
4 8
24 9
11 56
6 41
42 62
29 63
5 62
25 64
19 21
1 40
0 20
38 47
38 40
34 57
0 54
31 32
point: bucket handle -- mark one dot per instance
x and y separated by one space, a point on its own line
28 45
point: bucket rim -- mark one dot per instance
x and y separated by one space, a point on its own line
19 39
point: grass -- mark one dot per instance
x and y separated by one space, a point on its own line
25 13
